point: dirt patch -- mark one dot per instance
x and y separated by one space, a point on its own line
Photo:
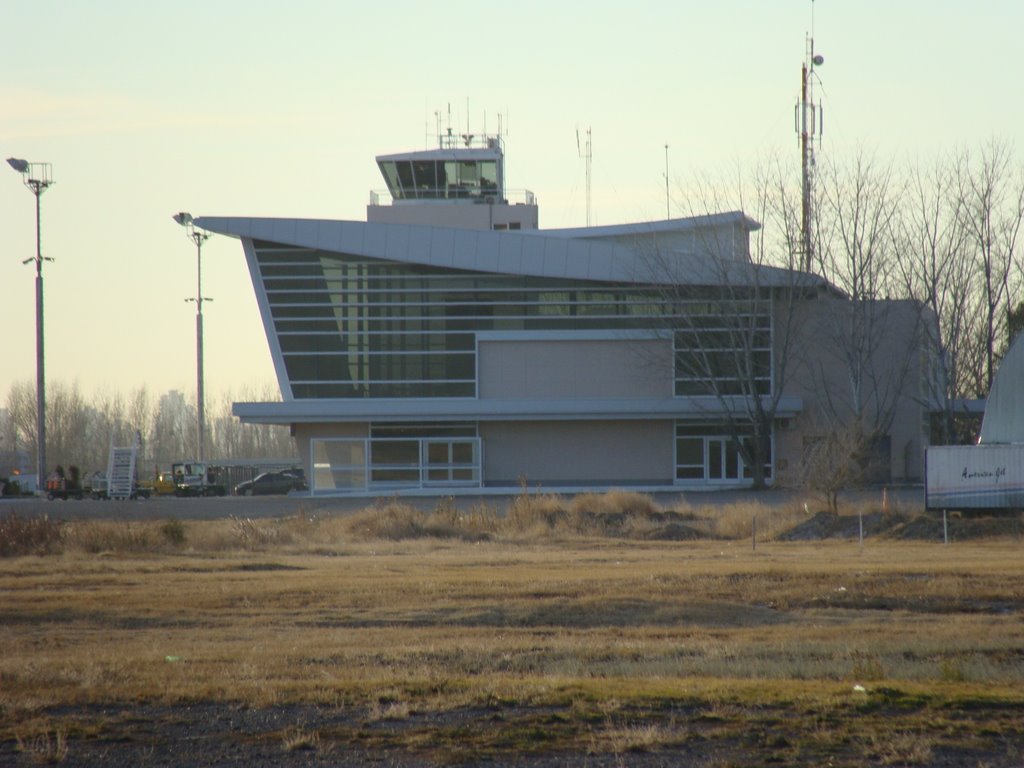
824 525
670 734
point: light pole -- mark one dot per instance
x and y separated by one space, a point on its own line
37 177
185 219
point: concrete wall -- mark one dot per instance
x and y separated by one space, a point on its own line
575 369
458 215
578 453
890 385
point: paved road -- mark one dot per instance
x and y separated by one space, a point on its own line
164 508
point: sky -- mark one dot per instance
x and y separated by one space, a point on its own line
232 108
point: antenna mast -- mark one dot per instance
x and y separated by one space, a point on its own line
588 156
668 213
808 121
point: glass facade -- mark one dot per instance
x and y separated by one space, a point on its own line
708 452
416 455
355 327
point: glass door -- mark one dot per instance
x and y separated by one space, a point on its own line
722 459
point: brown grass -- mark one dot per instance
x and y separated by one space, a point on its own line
529 517
634 644
29 535
567 625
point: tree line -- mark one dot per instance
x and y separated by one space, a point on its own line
946 234
80 428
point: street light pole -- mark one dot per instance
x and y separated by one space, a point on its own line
198 237
38 178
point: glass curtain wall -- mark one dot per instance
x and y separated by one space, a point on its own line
355 327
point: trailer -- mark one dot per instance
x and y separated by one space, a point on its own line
983 477
990 475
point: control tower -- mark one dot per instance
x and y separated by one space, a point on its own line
461 184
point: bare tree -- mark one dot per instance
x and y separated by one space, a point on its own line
991 190
170 439
21 416
934 260
733 317
873 340
82 429
233 439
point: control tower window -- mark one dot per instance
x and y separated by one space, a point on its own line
471 178
427 185
391 178
405 179
439 179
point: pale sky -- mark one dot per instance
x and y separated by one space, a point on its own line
232 108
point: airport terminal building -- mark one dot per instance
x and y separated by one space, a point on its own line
448 343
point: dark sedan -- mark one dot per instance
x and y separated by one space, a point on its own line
270 483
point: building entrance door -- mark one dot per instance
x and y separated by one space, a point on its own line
721 459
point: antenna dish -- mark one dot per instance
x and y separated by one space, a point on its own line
818 60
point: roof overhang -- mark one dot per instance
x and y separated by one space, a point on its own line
418 409
531 253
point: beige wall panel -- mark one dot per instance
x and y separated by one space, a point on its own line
577 452
575 369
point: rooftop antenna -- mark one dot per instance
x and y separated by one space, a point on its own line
588 156
809 123
668 214
467 137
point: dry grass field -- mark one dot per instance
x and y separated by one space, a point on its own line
600 631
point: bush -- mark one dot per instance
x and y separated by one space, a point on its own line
108 536
29 536
174 532
252 535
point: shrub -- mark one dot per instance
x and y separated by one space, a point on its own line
253 535
29 536
108 536
536 514
388 520
173 532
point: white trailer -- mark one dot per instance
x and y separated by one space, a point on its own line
987 476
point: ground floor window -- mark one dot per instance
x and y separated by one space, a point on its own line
396 456
709 452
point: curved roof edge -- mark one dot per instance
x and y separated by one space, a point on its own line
686 224
534 254
1003 421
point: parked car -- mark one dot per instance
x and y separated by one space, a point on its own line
300 477
270 483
